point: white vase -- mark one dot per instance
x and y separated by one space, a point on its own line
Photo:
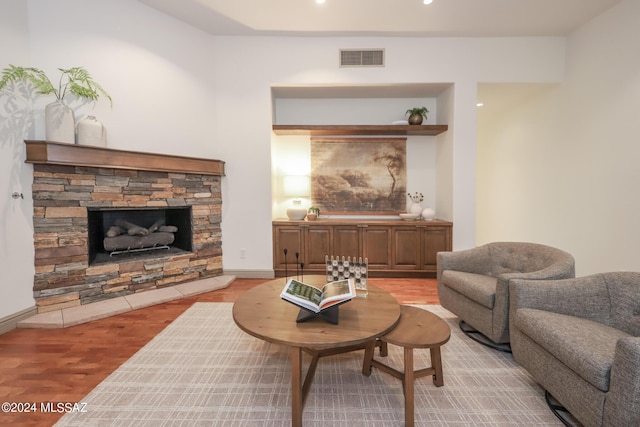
415 208
296 212
91 132
60 123
428 214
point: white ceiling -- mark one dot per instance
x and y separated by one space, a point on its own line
453 18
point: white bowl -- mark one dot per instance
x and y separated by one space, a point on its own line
409 216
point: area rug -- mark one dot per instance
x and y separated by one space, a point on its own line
203 370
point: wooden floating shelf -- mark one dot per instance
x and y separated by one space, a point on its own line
363 130
57 153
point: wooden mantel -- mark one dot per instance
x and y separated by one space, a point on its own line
57 153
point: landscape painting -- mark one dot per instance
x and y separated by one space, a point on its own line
359 175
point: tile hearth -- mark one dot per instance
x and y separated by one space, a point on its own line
72 316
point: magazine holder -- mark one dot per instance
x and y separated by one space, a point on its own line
330 315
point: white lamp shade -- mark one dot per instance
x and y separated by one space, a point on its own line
297 185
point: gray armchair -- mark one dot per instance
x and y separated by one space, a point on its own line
474 283
580 340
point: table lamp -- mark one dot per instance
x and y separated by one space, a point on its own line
297 186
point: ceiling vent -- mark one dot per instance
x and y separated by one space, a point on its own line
362 57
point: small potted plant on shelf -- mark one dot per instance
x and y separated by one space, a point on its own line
313 214
59 118
416 115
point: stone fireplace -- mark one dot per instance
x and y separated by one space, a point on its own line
80 191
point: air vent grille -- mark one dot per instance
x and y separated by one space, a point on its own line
362 57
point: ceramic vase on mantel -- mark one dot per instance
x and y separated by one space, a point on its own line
415 208
60 123
415 119
296 212
428 214
91 132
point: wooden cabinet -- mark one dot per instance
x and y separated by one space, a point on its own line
317 244
406 248
376 246
394 248
346 240
289 238
434 240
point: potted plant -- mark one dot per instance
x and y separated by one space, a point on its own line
416 199
314 213
60 121
416 115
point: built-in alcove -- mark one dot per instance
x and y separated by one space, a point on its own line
301 112
99 221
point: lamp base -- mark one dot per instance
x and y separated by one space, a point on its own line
297 212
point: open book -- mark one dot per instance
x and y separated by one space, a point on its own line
317 299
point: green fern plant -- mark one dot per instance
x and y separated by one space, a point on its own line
417 110
76 81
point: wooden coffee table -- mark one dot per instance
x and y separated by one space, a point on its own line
417 328
262 313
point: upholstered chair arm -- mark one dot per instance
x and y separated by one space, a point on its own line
475 260
585 297
622 407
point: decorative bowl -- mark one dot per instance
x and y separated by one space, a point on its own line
409 216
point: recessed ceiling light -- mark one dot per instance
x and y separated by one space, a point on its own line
319 1
479 104
428 1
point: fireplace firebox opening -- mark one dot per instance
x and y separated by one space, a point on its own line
117 235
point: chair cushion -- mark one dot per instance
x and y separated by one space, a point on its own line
512 257
584 346
477 287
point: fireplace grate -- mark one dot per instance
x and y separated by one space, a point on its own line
130 251
141 233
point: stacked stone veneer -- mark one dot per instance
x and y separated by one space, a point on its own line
61 196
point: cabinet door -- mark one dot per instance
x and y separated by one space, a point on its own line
376 242
318 242
434 240
346 241
289 238
406 248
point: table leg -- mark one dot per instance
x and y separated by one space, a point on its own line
436 364
369 349
408 387
296 387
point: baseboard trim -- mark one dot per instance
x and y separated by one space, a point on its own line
9 323
250 274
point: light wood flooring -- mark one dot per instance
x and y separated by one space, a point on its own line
64 365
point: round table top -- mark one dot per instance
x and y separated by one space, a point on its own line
262 313
418 328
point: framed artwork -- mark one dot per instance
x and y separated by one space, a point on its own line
359 175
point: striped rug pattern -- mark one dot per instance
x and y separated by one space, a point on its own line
203 370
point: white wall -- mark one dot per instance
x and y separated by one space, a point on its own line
178 90
561 166
308 61
16 215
